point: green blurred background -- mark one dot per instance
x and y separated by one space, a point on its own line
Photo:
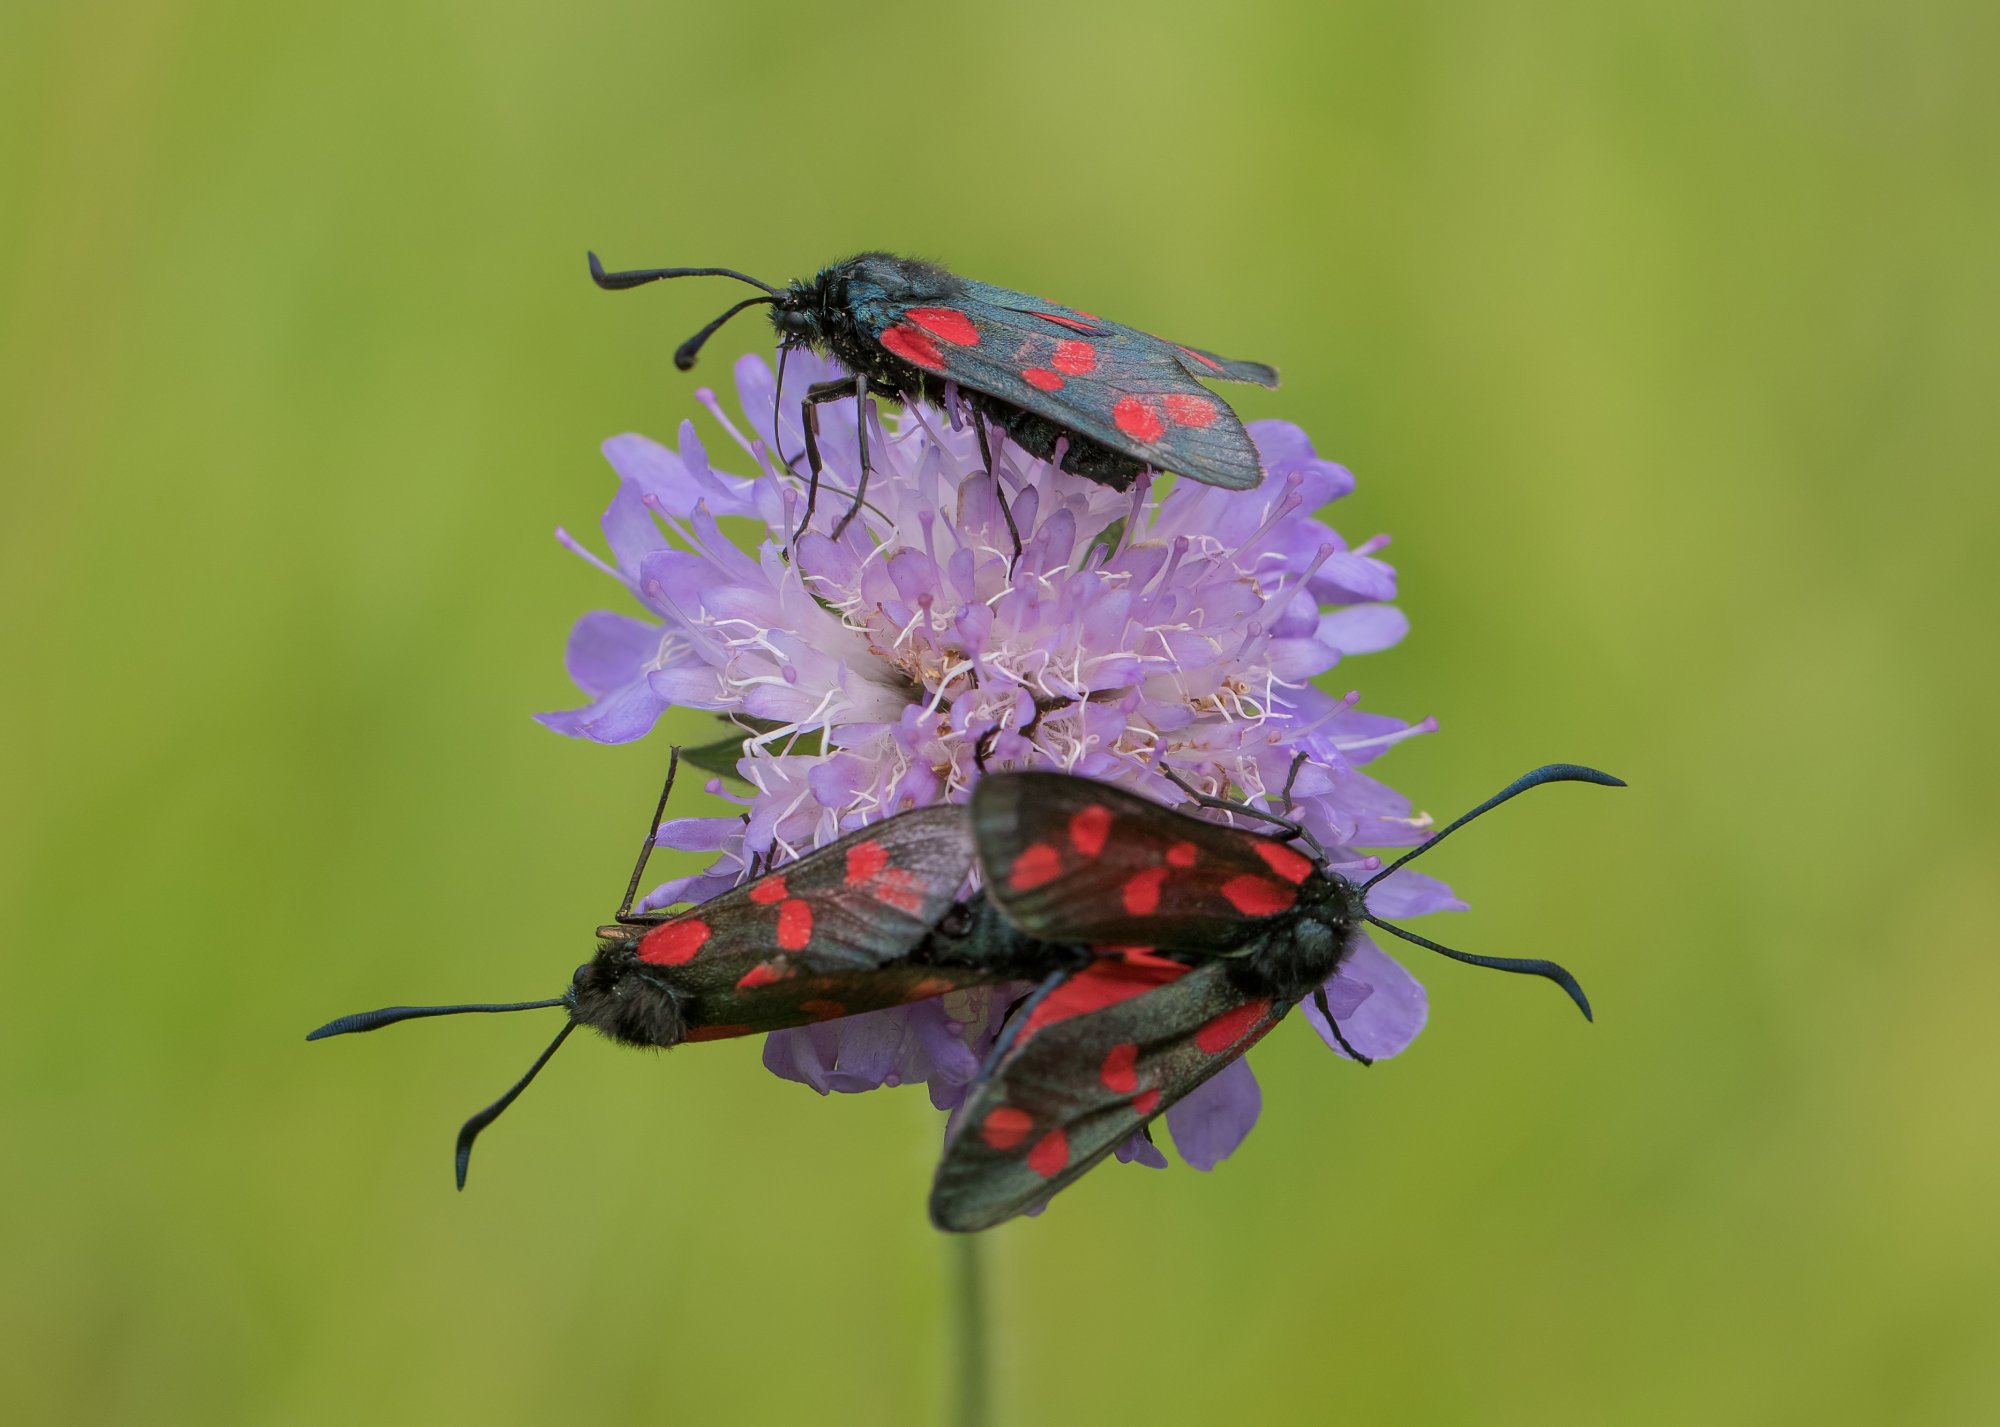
1658 334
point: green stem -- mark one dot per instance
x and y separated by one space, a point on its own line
969 1391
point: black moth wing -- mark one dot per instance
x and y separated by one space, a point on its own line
1061 1092
1197 362
1070 859
1117 386
859 903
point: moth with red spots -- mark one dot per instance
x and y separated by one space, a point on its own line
1204 937
868 922
1103 400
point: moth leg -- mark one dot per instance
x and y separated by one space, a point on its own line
809 419
986 458
817 395
861 441
1319 1000
1285 794
1291 827
625 913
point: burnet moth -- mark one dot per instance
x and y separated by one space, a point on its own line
1204 936
1099 399
864 923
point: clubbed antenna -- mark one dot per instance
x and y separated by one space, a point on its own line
469 1131
684 354
1551 773
389 1015
639 277
1548 773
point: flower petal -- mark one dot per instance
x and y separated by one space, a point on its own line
1364 628
1380 1006
1407 892
1138 1149
607 651
1211 1121
892 1047
619 716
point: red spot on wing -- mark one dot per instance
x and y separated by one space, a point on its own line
1145 1102
1258 896
913 346
1042 379
1050 1154
1230 1027
1039 863
795 924
946 322
1202 357
771 889
1138 419
762 974
1120 1069
1088 828
1060 320
1074 359
674 943
900 888
1185 410
718 1033
824 1010
865 860
1104 982
1006 1127
1181 854
1142 891
930 986
1288 862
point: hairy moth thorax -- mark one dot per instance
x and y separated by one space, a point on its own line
1305 946
615 994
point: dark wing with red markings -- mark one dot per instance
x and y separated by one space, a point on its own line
1120 387
1070 859
858 903
1079 1072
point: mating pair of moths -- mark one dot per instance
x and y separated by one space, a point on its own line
1160 946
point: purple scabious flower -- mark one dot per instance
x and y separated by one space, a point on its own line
1135 631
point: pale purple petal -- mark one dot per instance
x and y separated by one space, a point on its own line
698 834
1211 1121
1364 628
869 1051
1347 576
1138 1149
1379 1005
618 717
607 651
1409 893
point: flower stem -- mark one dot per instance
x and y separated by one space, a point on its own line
971 1406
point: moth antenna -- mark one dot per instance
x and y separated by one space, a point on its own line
777 431
1525 965
1548 773
470 1130
638 277
685 353
389 1015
